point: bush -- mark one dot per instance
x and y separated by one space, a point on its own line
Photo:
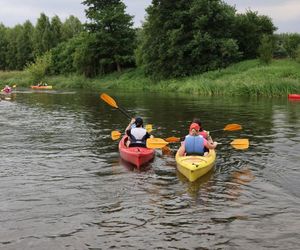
38 69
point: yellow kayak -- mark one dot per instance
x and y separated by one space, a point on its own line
193 167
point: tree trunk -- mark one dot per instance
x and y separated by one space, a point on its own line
118 67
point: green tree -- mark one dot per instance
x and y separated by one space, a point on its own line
249 30
3 46
42 35
265 49
12 47
114 36
24 45
187 37
71 27
56 31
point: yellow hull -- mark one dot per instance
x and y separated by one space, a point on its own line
193 167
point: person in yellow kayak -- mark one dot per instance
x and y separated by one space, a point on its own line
195 143
136 133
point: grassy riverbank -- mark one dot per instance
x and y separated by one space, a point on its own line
244 78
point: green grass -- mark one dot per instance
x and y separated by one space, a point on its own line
245 78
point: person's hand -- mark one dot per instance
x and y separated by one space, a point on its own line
132 121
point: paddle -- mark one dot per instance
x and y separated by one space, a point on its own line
160 143
110 101
228 127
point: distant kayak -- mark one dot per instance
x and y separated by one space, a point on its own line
137 156
193 167
41 87
294 96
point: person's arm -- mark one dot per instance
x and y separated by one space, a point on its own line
129 125
209 144
181 150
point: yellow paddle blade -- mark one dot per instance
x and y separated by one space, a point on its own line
232 127
156 143
173 139
148 128
110 101
240 143
115 135
14 86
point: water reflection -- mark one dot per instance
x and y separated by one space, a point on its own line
63 183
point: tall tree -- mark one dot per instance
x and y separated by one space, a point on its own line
3 46
42 35
12 48
56 31
187 36
115 37
24 45
249 30
71 27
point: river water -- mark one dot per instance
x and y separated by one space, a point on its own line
63 185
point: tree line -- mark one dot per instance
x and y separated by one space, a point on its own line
177 39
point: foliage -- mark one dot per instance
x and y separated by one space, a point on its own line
265 49
113 39
187 37
70 28
249 30
38 69
297 53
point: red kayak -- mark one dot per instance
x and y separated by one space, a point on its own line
294 96
138 156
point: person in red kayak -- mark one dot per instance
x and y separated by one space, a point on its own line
136 133
195 143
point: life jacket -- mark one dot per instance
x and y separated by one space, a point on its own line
138 137
194 145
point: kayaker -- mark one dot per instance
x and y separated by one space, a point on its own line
7 89
137 134
202 132
194 143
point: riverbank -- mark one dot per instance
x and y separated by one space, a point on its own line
245 78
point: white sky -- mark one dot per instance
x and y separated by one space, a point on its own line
284 13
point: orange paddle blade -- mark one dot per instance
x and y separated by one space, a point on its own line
173 139
240 143
110 101
232 127
156 143
115 135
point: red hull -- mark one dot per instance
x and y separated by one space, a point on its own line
137 156
294 96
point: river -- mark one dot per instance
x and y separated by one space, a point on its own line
63 185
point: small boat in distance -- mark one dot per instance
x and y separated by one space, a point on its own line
294 96
41 87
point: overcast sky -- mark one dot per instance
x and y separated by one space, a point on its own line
284 13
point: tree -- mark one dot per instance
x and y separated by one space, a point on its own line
24 53
71 27
266 49
56 31
187 37
3 46
42 40
114 36
249 30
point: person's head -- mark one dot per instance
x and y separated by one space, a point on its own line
197 120
194 129
138 122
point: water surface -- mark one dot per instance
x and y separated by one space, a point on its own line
63 185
